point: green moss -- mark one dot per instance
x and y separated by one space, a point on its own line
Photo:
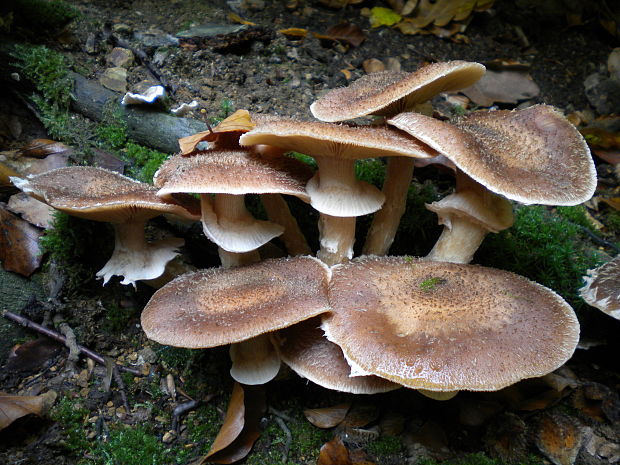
544 247
117 318
42 16
71 417
130 446
613 221
479 459
371 170
144 162
431 284
385 445
112 131
304 158
576 215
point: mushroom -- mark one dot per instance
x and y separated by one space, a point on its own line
531 156
388 93
229 305
446 327
101 195
305 349
334 191
602 288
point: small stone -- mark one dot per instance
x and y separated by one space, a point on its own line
133 357
159 57
122 28
90 46
93 419
373 65
148 355
392 64
160 419
114 79
110 404
91 435
613 64
168 437
120 57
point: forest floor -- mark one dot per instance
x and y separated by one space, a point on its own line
97 418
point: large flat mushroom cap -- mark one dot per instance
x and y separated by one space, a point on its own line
388 93
319 139
445 326
602 288
533 156
232 172
102 195
221 306
305 349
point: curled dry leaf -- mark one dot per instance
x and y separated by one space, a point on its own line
441 12
239 121
559 437
5 173
32 355
41 148
327 417
19 244
32 210
14 407
346 32
241 425
334 452
508 86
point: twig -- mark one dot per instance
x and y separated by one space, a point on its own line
289 438
597 239
121 387
280 414
180 410
63 340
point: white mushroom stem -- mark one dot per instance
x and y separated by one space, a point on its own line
385 222
468 215
459 240
278 212
227 222
337 236
254 361
134 258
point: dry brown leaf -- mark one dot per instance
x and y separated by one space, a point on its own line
5 173
240 121
610 156
541 401
32 210
235 18
19 244
502 87
600 138
294 32
241 425
327 417
613 202
346 32
32 355
559 437
339 3
334 452
441 12
14 407
41 148
361 415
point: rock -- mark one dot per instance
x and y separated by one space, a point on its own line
603 93
613 64
90 46
160 56
155 39
392 64
120 57
114 79
122 28
373 65
147 355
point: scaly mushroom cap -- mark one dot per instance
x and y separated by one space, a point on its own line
446 326
102 195
602 288
232 172
531 156
222 306
305 349
387 93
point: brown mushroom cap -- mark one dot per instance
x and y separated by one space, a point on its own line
221 306
232 172
602 288
305 349
102 195
388 93
445 326
531 156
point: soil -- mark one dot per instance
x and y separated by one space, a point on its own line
271 73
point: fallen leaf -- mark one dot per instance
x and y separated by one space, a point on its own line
613 202
347 73
334 452
502 87
441 12
610 156
32 355
235 18
346 32
361 415
559 438
339 3
19 244
373 65
14 407
41 148
380 16
5 173
327 417
32 210
241 425
599 138
294 32
240 121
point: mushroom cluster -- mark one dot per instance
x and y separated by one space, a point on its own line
372 323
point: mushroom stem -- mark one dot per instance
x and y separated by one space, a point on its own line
385 222
459 240
134 258
278 212
337 236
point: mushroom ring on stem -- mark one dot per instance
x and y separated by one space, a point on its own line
444 326
101 195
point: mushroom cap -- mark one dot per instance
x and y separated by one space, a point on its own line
232 172
387 93
102 195
602 288
446 327
532 156
307 351
221 306
488 210
319 139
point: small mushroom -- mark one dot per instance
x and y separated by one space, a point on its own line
229 305
334 190
602 288
305 349
101 195
444 326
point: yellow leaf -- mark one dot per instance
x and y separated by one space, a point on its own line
294 32
380 16
235 18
